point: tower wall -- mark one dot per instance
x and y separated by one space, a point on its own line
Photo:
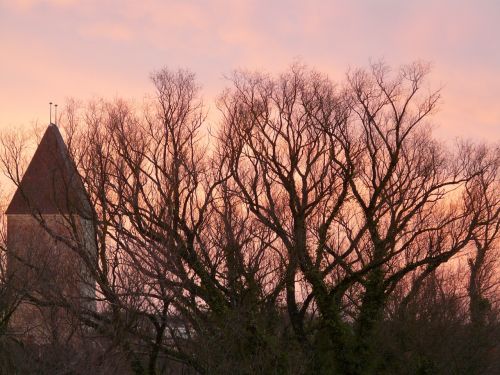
48 273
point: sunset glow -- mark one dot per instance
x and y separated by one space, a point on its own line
54 49
223 187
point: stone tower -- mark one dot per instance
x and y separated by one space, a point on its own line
50 239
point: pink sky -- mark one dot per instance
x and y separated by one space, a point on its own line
55 49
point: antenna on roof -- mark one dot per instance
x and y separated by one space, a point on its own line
55 120
50 116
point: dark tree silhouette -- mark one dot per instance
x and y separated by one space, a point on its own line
320 229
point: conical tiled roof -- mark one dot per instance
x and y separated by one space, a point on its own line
51 183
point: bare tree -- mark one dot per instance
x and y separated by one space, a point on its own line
355 188
318 216
482 196
181 264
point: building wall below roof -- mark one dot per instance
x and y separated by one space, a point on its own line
42 267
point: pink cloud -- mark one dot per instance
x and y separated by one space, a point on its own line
109 47
29 4
115 32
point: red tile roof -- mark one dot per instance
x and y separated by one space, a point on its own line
51 183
